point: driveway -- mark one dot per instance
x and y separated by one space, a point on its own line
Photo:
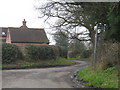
59 77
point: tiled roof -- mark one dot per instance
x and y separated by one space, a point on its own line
28 35
25 34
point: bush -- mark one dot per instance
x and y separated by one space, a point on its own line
83 54
108 54
10 53
74 54
86 53
45 52
31 51
60 51
63 52
56 50
40 52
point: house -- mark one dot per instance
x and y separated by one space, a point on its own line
23 35
3 32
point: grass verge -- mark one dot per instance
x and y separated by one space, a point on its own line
81 59
60 61
85 59
73 58
99 78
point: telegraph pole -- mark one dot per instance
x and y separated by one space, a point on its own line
99 26
95 46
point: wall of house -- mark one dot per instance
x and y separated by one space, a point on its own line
22 44
8 39
1 37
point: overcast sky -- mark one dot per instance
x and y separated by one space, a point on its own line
12 13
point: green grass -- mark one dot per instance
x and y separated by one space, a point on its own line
99 78
85 59
21 63
81 59
73 59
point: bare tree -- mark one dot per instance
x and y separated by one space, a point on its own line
73 14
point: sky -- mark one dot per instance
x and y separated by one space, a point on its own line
12 13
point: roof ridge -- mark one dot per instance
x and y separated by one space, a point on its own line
23 28
37 28
14 27
27 28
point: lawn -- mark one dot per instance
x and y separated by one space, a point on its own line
100 78
33 63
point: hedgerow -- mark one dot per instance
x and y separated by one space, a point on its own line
45 52
10 53
40 52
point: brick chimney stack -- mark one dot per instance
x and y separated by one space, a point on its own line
24 24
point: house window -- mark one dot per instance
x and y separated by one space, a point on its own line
3 33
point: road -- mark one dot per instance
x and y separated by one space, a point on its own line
57 77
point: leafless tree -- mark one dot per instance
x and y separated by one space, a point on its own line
74 14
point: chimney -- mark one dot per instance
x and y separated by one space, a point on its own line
24 24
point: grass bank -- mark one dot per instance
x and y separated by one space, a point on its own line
21 63
100 78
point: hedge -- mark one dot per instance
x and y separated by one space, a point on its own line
63 52
40 52
45 52
10 53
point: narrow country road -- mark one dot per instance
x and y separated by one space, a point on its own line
57 77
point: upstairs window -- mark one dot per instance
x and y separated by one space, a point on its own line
3 34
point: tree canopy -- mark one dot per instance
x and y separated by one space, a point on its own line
61 39
114 20
74 14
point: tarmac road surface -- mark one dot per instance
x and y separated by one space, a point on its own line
55 77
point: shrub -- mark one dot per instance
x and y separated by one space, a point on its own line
32 52
86 53
74 54
56 50
63 52
60 51
45 52
48 52
10 53
108 54
40 52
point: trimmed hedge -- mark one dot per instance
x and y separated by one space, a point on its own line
10 53
40 52
45 52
